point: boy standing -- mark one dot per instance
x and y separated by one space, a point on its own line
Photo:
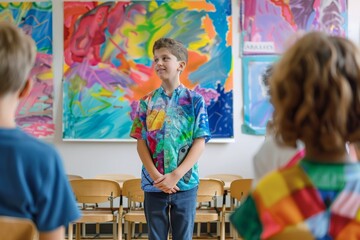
171 128
33 182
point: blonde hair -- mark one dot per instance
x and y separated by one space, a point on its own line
17 57
315 90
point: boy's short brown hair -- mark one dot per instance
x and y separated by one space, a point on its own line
175 47
315 90
17 57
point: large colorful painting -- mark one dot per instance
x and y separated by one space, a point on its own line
267 25
257 108
108 62
35 112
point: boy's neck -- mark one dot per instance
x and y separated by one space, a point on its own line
8 105
170 86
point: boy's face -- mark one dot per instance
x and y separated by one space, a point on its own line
167 66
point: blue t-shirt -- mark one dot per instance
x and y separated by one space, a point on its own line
33 183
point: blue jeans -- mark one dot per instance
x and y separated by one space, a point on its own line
175 210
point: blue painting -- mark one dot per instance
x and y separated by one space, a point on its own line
257 107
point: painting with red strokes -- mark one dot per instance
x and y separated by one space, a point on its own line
108 62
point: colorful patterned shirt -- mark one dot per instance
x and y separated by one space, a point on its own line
323 199
169 125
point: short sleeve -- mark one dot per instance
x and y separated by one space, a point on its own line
202 129
246 221
55 202
138 129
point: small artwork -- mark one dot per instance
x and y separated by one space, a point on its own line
35 112
108 62
268 26
257 107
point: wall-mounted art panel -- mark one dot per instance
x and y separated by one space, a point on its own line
257 108
268 25
35 112
108 62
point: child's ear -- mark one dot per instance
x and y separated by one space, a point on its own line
26 89
182 65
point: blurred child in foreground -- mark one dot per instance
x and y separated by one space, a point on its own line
315 90
33 181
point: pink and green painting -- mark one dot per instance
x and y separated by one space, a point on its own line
35 112
269 26
108 62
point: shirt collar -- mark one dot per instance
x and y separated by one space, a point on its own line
176 90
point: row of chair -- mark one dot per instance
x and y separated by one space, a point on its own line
90 193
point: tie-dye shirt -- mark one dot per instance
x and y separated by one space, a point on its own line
169 125
323 200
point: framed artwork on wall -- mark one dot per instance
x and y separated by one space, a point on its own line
268 26
35 112
257 107
108 62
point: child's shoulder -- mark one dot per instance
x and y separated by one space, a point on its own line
150 95
35 145
26 144
282 179
194 94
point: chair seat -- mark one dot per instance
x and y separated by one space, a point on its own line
206 215
98 217
135 216
17 228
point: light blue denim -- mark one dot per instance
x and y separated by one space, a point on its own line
176 211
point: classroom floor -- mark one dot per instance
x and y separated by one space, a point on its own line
144 238
106 230
228 238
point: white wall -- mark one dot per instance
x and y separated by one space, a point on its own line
91 158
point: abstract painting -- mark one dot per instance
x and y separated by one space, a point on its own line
35 112
268 26
108 62
257 108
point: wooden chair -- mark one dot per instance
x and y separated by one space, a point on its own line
73 177
119 177
12 228
227 179
93 192
135 213
239 189
209 191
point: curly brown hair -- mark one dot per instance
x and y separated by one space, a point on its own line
315 90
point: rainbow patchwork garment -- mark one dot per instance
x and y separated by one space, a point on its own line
169 125
323 199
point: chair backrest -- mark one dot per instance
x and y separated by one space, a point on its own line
120 177
209 188
132 190
224 176
95 190
73 177
17 228
240 188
